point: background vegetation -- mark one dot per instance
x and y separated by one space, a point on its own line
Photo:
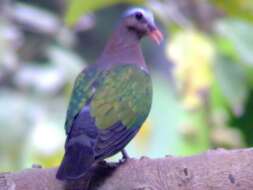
202 74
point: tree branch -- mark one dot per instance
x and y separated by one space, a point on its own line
214 170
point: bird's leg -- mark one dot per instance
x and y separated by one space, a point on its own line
124 156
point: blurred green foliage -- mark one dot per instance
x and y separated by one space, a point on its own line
77 8
239 9
202 75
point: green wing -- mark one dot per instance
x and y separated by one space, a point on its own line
82 92
125 96
118 101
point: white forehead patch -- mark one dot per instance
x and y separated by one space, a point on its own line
146 13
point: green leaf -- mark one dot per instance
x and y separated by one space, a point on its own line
77 8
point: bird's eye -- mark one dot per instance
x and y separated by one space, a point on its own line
138 16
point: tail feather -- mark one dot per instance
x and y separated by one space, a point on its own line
77 161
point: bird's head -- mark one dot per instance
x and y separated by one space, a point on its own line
141 21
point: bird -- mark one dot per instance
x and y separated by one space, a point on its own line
111 98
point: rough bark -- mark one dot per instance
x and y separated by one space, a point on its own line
214 170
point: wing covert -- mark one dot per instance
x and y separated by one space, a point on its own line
84 88
118 99
119 107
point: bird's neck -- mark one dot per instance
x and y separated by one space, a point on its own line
123 48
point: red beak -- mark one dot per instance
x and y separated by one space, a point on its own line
156 35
